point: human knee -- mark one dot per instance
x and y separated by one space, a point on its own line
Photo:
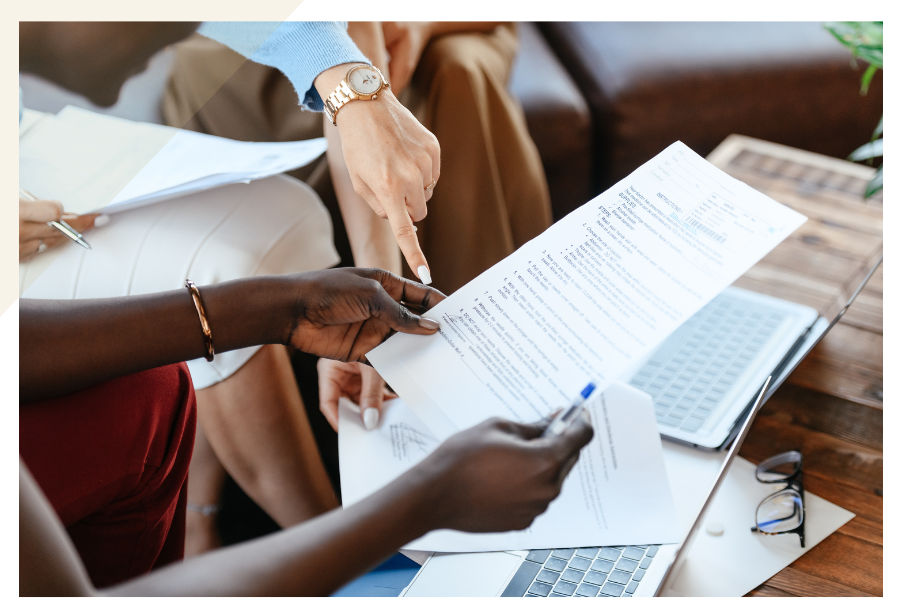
471 56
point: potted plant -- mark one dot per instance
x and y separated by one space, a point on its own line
864 40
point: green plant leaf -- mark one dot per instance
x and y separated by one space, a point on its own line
873 149
878 131
867 78
875 185
862 38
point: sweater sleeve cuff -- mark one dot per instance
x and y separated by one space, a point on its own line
299 49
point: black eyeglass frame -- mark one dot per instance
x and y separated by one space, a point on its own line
793 483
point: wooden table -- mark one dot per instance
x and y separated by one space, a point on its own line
831 407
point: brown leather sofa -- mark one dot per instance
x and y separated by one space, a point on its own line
559 120
649 84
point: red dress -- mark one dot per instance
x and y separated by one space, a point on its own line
113 461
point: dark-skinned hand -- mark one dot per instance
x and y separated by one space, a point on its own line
344 313
499 475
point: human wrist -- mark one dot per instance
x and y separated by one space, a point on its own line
326 81
251 312
427 508
436 491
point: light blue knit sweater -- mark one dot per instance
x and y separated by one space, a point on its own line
299 49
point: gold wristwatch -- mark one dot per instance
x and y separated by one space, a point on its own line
362 82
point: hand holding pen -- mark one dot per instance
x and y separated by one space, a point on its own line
565 417
41 225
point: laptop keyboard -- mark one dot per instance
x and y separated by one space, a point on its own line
701 362
588 572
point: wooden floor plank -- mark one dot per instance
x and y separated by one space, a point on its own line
798 583
824 455
857 383
767 591
865 503
826 414
847 561
863 529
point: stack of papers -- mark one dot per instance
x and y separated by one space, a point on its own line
588 298
586 301
92 162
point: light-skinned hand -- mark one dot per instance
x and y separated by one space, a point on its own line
357 382
33 227
405 42
391 159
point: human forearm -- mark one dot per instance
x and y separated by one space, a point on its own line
371 239
305 560
339 314
299 49
68 345
437 28
368 37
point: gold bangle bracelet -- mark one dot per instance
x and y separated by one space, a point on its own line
204 324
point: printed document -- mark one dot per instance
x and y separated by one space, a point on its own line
587 298
92 162
618 492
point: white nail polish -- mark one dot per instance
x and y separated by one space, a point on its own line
424 274
370 418
101 220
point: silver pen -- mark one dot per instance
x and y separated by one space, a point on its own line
59 225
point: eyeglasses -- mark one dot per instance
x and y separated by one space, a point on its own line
782 512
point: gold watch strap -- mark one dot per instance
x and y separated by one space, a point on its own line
337 99
343 94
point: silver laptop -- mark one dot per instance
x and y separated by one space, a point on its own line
617 571
605 572
703 377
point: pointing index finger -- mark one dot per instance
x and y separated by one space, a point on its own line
405 235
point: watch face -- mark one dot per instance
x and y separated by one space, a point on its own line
364 80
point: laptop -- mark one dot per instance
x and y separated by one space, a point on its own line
703 377
629 570
605 572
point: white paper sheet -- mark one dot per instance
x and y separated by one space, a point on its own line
92 162
587 298
618 492
738 561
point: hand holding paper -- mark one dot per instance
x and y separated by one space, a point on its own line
617 493
494 477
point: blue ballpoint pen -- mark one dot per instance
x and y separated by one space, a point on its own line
565 418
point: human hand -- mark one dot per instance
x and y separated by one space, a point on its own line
391 159
405 42
359 383
499 475
33 227
344 313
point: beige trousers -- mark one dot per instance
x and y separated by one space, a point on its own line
493 195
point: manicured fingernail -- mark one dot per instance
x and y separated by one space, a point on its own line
424 274
428 323
101 220
370 418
